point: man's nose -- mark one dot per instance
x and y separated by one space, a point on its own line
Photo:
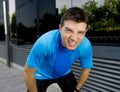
73 37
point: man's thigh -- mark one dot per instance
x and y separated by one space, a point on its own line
67 83
42 85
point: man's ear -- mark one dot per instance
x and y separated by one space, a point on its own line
60 27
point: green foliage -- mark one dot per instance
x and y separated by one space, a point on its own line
62 11
104 17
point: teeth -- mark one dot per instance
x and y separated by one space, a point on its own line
72 43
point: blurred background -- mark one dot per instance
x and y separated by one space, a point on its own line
22 22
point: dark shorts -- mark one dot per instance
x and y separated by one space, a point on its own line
67 83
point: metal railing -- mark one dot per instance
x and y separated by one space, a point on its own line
104 76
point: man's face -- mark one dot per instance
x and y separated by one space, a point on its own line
72 33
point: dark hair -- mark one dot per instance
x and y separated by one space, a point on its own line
76 14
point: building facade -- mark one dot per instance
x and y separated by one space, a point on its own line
2 35
31 18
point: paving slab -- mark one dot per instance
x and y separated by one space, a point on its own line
11 80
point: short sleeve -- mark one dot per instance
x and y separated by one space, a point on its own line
37 54
86 58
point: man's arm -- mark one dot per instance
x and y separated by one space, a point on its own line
83 77
30 78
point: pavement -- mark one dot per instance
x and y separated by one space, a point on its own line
11 79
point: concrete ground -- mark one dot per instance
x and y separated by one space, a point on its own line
11 80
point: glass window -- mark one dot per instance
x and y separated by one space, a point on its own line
48 19
2 35
33 18
26 20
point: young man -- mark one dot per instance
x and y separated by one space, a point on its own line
54 52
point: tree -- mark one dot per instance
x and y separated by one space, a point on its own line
111 9
104 17
62 11
91 8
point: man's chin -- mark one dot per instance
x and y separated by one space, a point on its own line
71 48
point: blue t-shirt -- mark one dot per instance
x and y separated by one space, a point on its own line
52 60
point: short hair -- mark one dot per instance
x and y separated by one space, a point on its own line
76 14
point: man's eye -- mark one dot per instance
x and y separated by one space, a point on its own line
68 31
81 32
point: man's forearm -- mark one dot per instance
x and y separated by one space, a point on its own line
83 77
31 84
30 79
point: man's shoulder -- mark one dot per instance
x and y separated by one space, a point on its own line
85 45
48 38
50 34
85 42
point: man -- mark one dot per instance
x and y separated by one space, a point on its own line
54 52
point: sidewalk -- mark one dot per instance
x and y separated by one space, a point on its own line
11 80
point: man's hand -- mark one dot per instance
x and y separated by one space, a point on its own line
83 77
76 90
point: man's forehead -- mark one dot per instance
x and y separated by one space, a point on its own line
73 25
